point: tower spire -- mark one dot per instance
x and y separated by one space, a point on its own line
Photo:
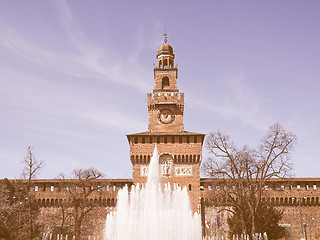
165 34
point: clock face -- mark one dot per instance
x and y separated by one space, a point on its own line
166 116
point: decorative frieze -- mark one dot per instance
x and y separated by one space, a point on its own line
185 170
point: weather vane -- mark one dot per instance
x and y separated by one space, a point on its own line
165 34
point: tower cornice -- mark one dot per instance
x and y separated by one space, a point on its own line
165 70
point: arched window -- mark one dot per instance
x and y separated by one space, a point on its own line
272 201
171 63
165 63
165 82
165 158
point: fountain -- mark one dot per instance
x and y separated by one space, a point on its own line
153 212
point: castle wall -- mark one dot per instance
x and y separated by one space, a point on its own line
293 195
284 195
94 221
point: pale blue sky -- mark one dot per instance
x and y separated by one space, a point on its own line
74 76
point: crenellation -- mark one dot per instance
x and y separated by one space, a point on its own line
166 97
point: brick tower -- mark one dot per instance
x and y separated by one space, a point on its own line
180 152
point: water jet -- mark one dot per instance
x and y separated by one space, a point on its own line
153 211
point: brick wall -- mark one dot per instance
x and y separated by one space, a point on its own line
285 195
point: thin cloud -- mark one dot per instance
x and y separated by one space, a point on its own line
23 94
237 100
86 60
102 60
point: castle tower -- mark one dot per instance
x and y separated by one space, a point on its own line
180 151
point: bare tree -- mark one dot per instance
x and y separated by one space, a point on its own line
85 184
244 173
31 168
17 208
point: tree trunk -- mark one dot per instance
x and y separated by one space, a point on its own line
253 225
78 223
243 225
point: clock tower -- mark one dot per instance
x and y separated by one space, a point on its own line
180 151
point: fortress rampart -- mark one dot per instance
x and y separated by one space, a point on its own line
282 193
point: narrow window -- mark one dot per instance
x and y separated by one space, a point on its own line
171 63
189 187
43 188
52 188
314 187
298 187
36 188
209 188
165 63
282 187
165 82
135 140
114 188
307 187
